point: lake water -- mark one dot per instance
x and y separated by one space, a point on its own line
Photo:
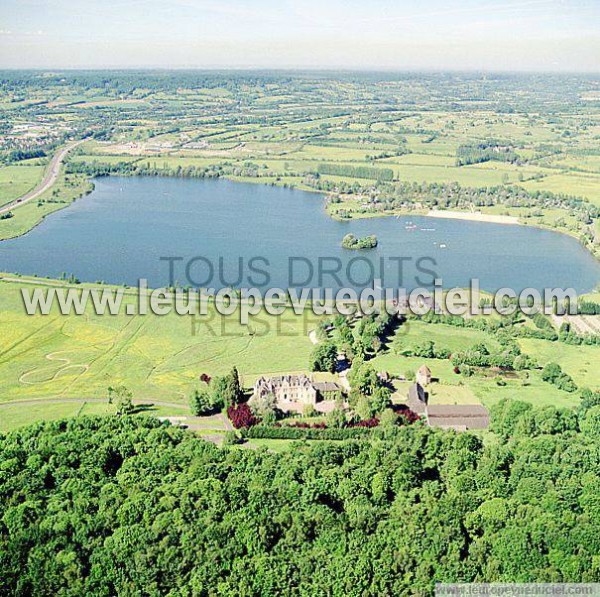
261 236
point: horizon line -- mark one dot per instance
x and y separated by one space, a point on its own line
304 69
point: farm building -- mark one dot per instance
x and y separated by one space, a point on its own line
459 417
424 375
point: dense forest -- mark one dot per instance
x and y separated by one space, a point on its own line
128 505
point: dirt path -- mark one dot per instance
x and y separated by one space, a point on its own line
50 176
52 357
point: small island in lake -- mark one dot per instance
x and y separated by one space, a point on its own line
352 242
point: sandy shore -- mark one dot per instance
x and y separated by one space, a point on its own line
474 216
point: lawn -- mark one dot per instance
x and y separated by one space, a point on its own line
439 393
533 390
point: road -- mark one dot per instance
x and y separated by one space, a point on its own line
50 176
34 401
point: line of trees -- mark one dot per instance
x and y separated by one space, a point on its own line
381 174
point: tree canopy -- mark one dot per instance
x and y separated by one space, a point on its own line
129 505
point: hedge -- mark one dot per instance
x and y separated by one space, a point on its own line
299 433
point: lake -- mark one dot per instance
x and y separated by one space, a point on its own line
217 233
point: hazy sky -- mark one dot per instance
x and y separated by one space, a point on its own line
544 35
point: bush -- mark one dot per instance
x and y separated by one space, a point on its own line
201 403
308 410
552 373
370 423
232 438
388 418
265 408
336 418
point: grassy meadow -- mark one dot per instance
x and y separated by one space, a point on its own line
162 358
17 414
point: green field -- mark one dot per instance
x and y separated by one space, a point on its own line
415 333
15 181
580 362
157 357
577 361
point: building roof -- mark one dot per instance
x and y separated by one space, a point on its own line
459 423
458 416
280 380
417 398
457 410
266 385
325 386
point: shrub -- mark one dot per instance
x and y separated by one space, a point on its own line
336 418
265 408
372 422
552 373
232 438
308 410
201 403
406 416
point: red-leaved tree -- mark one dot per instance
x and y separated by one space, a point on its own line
241 416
